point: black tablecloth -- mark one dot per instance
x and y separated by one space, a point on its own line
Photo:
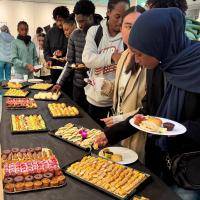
66 153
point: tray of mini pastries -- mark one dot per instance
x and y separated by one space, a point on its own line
30 169
62 110
16 93
78 136
14 85
116 180
47 96
41 86
20 103
27 124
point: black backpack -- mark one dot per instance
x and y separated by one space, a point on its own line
99 35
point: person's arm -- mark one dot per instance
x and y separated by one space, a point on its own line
119 118
120 131
110 121
91 57
64 75
71 50
35 56
47 50
123 130
70 60
65 46
15 58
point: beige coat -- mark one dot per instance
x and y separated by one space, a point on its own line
131 101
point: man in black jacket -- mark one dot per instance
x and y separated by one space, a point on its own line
84 14
55 41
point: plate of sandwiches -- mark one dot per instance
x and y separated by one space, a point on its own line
157 125
120 155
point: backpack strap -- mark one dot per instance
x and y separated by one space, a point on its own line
98 36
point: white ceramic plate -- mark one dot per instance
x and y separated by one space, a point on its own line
56 67
178 128
59 59
128 156
17 80
38 66
35 80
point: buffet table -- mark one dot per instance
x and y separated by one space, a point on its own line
66 153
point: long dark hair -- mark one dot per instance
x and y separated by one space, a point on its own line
133 66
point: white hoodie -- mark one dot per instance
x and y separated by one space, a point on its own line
99 62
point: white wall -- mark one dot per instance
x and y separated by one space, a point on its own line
36 14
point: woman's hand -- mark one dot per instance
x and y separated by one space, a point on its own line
108 121
49 64
56 88
101 140
58 53
30 68
116 56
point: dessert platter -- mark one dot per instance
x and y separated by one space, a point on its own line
61 110
27 124
30 169
20 103
157 125
41 86
78 136
114 179
16 93
14 85
47 96
121 155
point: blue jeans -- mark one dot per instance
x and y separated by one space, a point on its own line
187 194
5 71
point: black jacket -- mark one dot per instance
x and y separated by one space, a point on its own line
55 40
179 144
76 45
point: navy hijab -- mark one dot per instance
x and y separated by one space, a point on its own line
161 33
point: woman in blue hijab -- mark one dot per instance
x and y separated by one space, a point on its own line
158 40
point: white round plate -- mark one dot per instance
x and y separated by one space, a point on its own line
17 80
57 67
35 80
38 66
178 128
128 156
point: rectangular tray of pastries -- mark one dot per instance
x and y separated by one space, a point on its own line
30 169
20 103
27 124
78 136
116 180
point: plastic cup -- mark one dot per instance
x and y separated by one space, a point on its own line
26 77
